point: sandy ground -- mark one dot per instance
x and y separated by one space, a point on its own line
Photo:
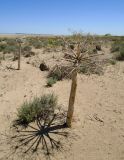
99 109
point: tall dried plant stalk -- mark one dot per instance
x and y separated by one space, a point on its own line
76 56
72 98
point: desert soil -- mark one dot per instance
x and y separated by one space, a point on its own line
98 123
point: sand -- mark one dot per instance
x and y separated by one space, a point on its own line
98 124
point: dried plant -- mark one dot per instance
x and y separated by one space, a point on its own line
78 55
59 72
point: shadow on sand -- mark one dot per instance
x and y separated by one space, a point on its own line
39 136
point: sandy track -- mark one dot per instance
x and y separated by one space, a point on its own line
99 108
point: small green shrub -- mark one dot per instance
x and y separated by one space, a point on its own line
59 72
1 58
119 56
51 81
112 61
36 43
42 107
56 74
27 51
11 42
118 50
115 47
26 48
10 49
2 47
83 69
94 51
54 42
90 68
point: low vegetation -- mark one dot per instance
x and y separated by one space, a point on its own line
51 81
90 68
43 107
43 42
81 57
59 72
5 48
112 61
118 50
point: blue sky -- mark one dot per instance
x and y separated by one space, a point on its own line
58 16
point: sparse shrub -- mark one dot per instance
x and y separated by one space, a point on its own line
54 42
2 47
94 51
117 43
115 47
15 57
6 48
11 42
83 49
55 74
35 42
27 51
51 81
3 39
60 42
1 58
51 42
29 54
83 69
119 55
10 49
38 108
90 68
43 42
112 61
26 48
59 72
118 50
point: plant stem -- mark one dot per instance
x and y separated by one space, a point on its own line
72 99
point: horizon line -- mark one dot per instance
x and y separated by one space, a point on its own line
45 34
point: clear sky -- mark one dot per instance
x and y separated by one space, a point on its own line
58 16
